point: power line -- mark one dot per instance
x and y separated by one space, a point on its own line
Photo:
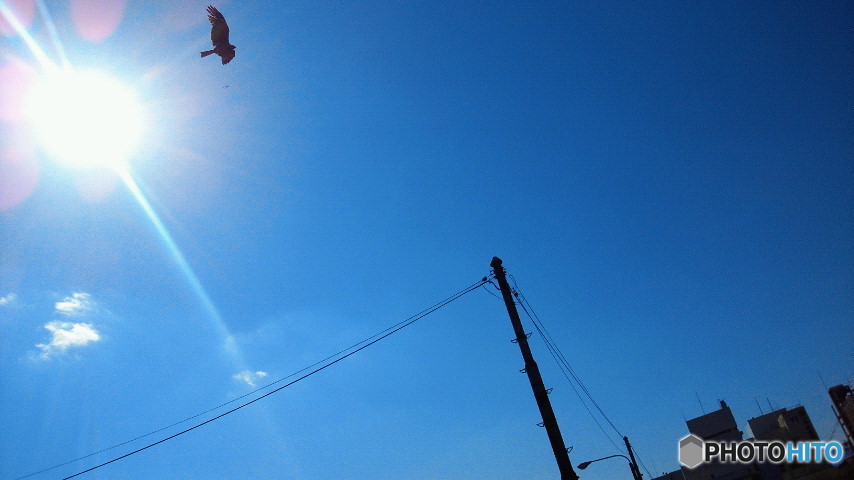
832 432
565 367
492 293
538 324
552 346
564 370
364 344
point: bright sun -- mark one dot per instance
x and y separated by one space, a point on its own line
86 119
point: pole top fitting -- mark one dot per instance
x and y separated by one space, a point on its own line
495 263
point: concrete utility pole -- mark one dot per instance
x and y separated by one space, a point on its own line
533 371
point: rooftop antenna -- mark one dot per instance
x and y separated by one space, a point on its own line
758 406
823 382
698 401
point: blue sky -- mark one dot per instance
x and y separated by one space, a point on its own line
671 186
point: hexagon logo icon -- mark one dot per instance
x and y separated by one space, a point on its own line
691 451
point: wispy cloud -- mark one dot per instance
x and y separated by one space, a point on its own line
8 300
249 377
77 304
67 335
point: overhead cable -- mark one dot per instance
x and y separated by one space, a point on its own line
565 368
325 363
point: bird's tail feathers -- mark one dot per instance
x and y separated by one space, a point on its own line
206 53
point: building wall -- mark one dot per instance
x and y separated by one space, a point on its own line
799 425
761 427
718 425
785 425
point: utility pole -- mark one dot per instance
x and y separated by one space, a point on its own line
533 371
634 464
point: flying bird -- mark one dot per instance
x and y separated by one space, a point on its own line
219 36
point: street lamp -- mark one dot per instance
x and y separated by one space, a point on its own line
635 472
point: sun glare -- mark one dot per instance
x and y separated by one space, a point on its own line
86 119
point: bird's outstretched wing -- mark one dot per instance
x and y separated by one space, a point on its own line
219 29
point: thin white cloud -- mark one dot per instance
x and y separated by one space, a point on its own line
249 377
67 335
8 300
76 304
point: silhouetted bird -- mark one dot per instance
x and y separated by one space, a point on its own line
219 36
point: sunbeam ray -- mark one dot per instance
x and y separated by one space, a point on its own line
229 343
21 30
54 36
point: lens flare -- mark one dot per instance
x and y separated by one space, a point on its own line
97 19
19 174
